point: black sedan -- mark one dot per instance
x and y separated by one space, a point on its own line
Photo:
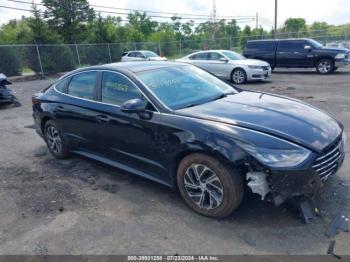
183 127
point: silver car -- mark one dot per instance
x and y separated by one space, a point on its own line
141 55
229 65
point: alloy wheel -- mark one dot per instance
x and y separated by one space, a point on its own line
203 186
238 77
53 139
324 67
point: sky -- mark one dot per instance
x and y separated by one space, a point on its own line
332 12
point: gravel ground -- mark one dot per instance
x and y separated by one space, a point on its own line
79 206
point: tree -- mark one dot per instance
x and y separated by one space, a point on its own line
142 23
9 62
55 58
294 25
68 17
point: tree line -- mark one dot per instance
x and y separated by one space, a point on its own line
74 21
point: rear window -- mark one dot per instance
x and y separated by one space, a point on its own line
291 45
61 86
199 56
83 85
261 45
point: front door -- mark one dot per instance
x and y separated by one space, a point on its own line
129 139
292 53
217 66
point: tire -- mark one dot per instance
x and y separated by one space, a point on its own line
239 76
206 197
55 140
325 66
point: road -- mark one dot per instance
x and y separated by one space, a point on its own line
79 206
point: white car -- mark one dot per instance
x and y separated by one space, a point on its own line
229 65
141 55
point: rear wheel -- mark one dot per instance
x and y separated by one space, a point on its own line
55 140
325 66
239 76
209 187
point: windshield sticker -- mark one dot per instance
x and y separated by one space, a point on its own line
117 86
154 84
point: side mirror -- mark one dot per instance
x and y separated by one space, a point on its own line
223 59
307 47
133 106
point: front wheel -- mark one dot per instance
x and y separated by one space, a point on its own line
55 140
208 187
239 76
325 66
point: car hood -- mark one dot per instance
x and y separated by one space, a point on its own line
249 62
335 49
275 115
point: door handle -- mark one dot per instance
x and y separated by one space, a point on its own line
59 109
102 118
296 52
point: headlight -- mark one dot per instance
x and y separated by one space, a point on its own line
340 56
344 138
277 157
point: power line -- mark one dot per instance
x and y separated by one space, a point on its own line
200 17
15 8
28 10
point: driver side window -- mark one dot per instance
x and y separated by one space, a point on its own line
117 89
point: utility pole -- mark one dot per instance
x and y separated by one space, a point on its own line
257 20
213 18
276 16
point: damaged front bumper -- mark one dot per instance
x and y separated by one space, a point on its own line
281 184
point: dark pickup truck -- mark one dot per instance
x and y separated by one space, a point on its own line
298 53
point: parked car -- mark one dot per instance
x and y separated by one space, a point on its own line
298 53
178 125
6 95
229 65
141 56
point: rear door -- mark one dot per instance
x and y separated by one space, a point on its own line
76 114
263 50
292 53
200 60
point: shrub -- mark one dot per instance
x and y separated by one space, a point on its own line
54 59
9 62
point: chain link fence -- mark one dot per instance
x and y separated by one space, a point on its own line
16 60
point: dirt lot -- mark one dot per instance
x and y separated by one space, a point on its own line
79 206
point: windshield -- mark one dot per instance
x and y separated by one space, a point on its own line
184 86
315 43
233 55
149 54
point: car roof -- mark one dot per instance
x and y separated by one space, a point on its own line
206 51
276 40
141 51
213 50
133 67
